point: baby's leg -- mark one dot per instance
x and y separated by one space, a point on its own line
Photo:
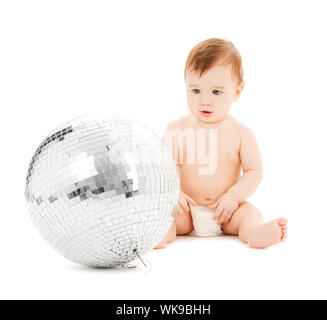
248 224
182 225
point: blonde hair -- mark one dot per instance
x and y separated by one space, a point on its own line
214 51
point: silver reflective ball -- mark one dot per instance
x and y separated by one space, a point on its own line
102 191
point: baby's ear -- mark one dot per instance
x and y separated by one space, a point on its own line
238 90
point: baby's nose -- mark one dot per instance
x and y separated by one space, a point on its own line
206 102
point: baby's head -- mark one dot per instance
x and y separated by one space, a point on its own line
214 79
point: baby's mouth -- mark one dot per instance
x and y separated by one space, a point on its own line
206 113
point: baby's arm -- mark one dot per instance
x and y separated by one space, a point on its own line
251 161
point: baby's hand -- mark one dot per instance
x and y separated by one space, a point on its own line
184 202
225 207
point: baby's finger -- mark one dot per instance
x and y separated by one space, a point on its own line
213 205
216 214
227 217
180 210
219 211
184 205
191 201
222 216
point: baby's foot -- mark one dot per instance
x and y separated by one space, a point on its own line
268 234
162 244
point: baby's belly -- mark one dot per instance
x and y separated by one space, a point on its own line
205 189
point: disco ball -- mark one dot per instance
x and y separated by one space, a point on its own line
102 191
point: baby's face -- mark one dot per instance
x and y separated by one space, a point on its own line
211 96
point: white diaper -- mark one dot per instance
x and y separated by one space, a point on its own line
203 222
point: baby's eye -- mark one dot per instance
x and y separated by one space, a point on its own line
196 91
217 92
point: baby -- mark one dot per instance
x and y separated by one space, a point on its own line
211 148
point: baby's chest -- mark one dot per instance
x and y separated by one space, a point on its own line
210 145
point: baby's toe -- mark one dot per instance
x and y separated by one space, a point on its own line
284 234
282 222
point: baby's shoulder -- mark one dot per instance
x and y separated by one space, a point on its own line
179 123
240 128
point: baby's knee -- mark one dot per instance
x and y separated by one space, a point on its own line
184 225
249 209
184 219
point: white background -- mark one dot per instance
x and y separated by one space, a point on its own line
60 59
